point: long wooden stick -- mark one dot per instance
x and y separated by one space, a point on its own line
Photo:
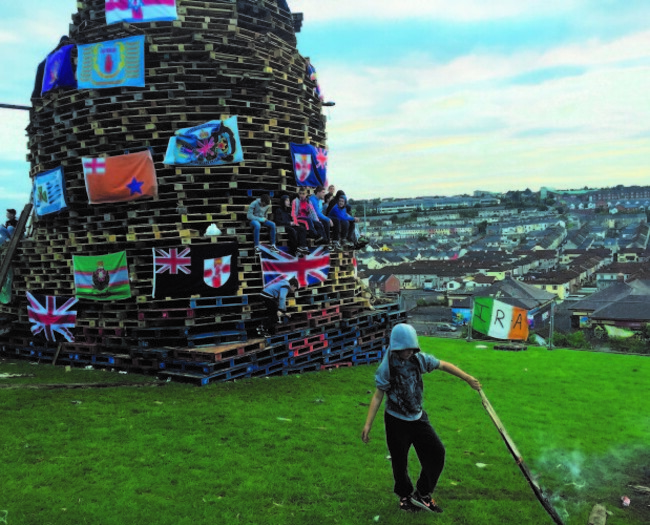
510 444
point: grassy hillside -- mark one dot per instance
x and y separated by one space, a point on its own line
287 450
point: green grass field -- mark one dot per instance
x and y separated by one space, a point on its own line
287 450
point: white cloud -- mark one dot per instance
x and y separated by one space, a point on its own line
459 10
448 128
13 141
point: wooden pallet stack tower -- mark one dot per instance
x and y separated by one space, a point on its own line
216 60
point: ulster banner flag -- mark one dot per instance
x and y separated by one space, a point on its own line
309 165
49 315
120 179
136 11
209 270
115 63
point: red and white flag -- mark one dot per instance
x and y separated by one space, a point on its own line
216 272
49 315
137 11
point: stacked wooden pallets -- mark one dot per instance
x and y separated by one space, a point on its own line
219 59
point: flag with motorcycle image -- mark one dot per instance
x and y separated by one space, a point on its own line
213 143
500 320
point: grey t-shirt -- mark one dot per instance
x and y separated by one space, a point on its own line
402 382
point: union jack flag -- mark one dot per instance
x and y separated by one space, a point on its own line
321 158
52 314
172 261
309 270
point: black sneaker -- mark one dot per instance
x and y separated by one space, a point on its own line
425 502
274 248
406 504
258 249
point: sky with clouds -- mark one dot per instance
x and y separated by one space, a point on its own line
432 97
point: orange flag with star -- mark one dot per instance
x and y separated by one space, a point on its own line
120 179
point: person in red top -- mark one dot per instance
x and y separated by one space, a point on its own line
304 213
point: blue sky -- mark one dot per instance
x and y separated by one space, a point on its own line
433 97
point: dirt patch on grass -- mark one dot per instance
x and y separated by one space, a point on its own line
640 499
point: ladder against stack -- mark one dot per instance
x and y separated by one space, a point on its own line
217 60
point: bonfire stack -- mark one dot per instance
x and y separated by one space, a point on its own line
217 60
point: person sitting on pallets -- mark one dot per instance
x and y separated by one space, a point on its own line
257 212
345 230
8 229
275 304
304 213
296 232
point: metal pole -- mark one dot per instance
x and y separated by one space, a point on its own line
471 317
13 106
550 337
365 221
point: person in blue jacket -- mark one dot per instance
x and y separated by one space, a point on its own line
344 231
317 201
399 378
275 303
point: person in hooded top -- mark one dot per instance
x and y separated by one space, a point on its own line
303 212
399 378
317 202
296 232
334 201
344 223
274 297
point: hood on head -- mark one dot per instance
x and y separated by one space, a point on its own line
403 337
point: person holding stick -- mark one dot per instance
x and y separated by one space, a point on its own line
399 377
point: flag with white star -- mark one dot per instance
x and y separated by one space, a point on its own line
121 178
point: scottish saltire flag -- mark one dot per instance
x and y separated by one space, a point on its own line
211 144
309 270
309 164
136 11
50 315
49 192
115 63
208 270
59 72
499 320
121 178
102 278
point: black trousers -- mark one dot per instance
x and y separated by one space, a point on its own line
326 229
271 321
400 435
297 236
341 229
